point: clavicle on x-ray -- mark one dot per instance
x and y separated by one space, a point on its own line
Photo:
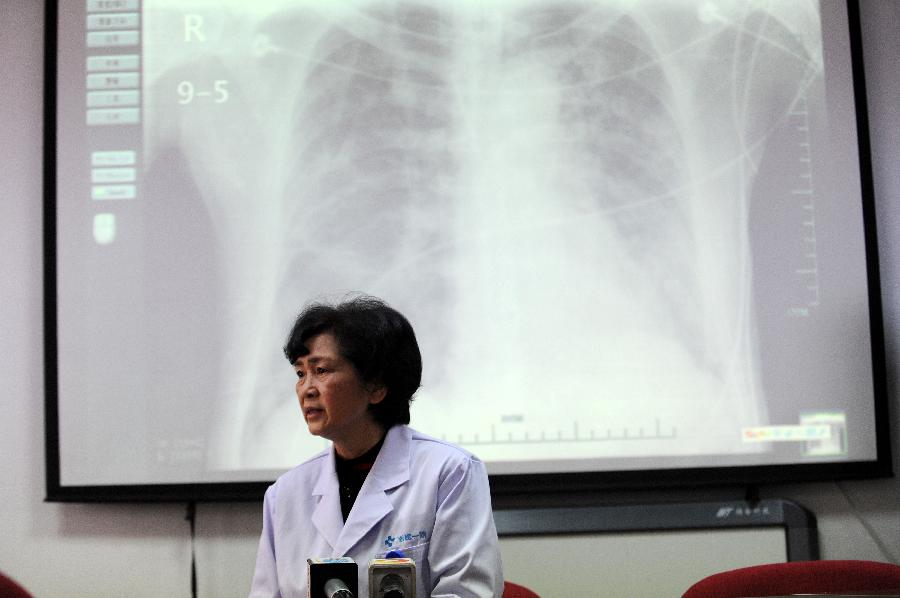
556 194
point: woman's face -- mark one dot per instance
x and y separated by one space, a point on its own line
334 401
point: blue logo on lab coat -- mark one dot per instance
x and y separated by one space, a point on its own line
419 536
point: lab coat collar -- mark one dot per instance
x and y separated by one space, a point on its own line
327 515
391 469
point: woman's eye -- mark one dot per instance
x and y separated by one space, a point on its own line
299 374
321 370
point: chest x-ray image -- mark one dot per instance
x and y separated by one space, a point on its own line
570 201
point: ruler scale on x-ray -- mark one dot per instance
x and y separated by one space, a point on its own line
574 434
803 192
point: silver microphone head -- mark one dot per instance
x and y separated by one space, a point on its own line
335 588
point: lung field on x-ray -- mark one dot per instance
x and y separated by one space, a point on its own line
621 143
369 190
554 193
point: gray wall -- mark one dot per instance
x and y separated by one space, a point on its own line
144 550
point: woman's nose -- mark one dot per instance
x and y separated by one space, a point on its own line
306 387
303 386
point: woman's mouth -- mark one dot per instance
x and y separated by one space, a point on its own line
312 412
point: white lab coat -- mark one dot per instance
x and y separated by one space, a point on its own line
424 497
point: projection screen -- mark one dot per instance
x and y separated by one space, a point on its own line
631 236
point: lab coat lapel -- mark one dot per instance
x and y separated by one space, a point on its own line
327 515
391 469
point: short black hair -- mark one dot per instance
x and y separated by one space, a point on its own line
376 339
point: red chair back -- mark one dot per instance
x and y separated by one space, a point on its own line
10 589
514 590
799 577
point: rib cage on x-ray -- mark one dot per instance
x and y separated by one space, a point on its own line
556 195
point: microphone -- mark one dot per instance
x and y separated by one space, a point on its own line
392 578
332 578
336 588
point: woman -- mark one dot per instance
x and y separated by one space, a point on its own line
382 487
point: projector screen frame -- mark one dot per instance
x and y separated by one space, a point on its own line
555 484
